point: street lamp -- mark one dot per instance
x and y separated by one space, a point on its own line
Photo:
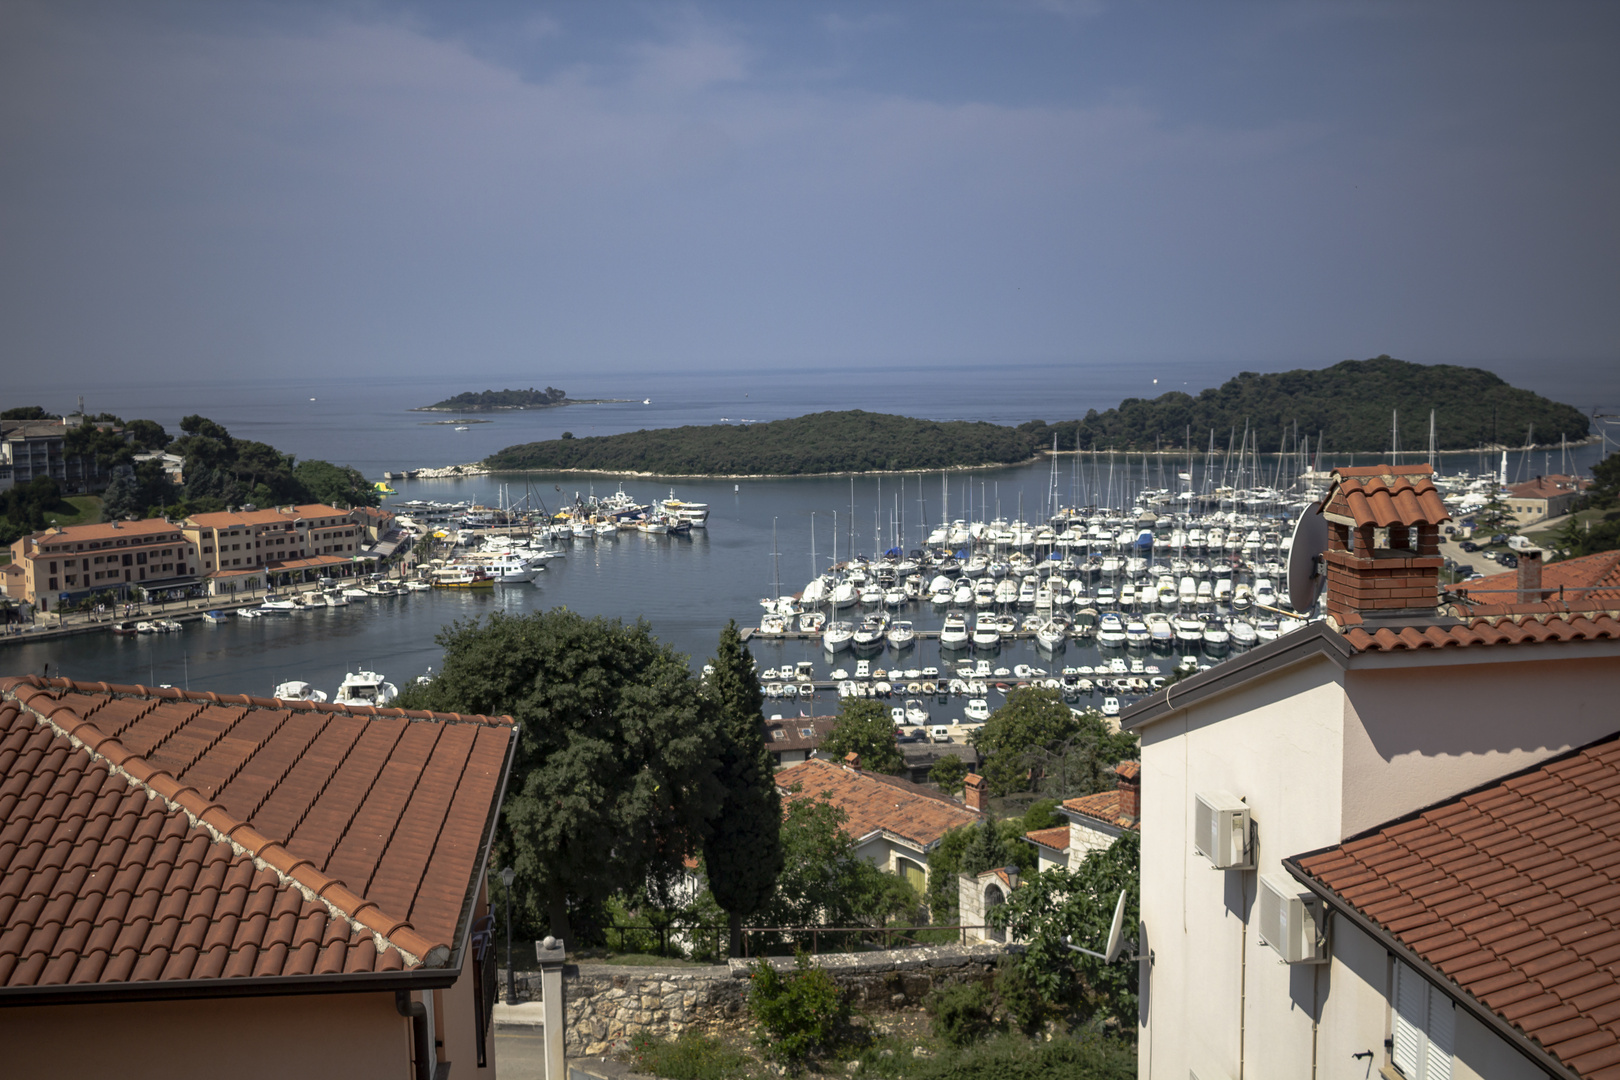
507 877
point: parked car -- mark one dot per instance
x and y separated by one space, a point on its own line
1508 560
1499 538
1469 545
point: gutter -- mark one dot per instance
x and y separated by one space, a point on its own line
360 982
1532 1050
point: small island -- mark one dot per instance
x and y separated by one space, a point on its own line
497 400
1349 407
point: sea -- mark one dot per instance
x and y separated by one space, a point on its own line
765 536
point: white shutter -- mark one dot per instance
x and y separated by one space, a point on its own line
1442 1036
1411 1017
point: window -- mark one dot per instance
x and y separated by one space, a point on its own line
1424 1027
778 733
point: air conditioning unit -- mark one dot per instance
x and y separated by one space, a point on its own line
1290 920
1221 830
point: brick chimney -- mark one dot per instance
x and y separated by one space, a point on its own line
1383 552
1530 591
852 761
1130 788
975 791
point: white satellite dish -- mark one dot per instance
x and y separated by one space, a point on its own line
1116 941
1304 571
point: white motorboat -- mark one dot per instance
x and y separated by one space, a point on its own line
773 625
1242 634
145 628
1161 634
1189 631
298 690
355 592
954 633
1051 636
869 634
977 709
986 633
1137 634
915 712
811 622
280 606
901 635
1111 629
1216 637
248 613
365 688
843 594
836 635
336 598
214 616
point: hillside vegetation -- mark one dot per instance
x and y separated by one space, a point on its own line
485 400
825 442
1348 405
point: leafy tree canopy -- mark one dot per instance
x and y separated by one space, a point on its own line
474 401
864 727
1079 902
1034 742
24 412
824 882
614 781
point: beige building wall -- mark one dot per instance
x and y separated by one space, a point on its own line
1321 754
354 1036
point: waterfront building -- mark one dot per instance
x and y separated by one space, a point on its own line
181 870
894 823
284 545
1387 838
63 565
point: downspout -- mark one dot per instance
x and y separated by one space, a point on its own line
416 1012
1243 972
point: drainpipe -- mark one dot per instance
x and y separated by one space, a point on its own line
416 1012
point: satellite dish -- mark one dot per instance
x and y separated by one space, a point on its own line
1304 573
1114 941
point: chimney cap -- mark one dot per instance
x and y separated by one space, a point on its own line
852 760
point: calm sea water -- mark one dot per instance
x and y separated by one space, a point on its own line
685 588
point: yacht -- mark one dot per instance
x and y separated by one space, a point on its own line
811 622
954 633
869 635
365 688
901 635
1051 636
1137 634
508 568
1189 631
986 634
1242 634
836 635
1111 630
459 577
275 605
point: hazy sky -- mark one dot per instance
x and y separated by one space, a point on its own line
374 187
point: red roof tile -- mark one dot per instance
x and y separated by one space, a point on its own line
1498 624
1550 962
1103 806
1384 495
156 834
1056 838
1589 577
875 802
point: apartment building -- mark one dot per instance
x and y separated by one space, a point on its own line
285 543
1384 844
66 564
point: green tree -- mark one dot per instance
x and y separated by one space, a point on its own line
1035 742
613 783
947 774
986 849
1043 814
824 882
335 484
743 853
148 435
863 727
1080 903
24 412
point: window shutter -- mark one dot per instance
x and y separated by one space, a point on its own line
1411 1016
1442 1036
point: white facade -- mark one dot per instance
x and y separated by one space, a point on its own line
1321 750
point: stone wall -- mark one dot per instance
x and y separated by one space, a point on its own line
606 1005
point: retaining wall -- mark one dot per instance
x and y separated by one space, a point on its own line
606 1005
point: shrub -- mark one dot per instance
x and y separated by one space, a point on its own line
1020 998
963 1013
689 1057
798 1014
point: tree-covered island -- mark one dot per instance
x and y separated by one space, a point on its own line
1348 406
492 400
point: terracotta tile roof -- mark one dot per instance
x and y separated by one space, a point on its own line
1548 487
1382 496
1103 806
1055 838
1589 577
1510 893
83 534
875 802
1501 624
1128 770
161 835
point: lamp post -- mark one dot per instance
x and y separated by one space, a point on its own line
507 876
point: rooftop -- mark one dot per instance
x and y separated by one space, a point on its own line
1385 495
876 802
1057 838
1547 487
106 530
1105 806
163 835
1508 896
1589 577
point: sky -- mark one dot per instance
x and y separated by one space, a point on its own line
204 190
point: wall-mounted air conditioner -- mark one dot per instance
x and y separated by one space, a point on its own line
1221 830
1291 920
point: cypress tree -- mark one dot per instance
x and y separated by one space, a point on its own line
743 853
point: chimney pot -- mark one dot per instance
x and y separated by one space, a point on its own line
1530 591
852 760
974 791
